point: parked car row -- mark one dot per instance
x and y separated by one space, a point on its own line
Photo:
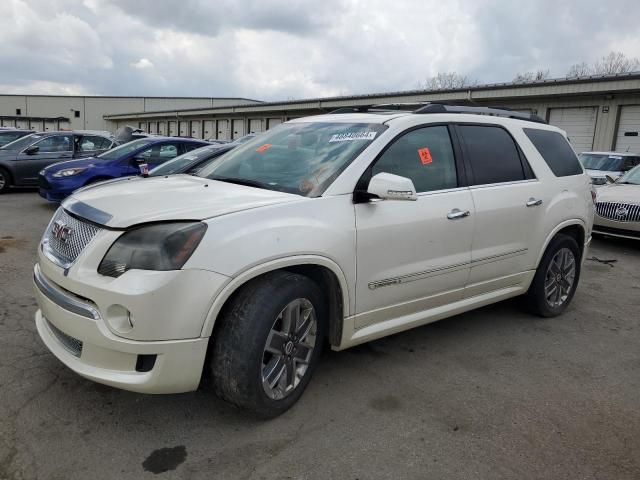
61 162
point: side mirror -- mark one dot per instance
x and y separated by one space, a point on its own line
32 149
387 186
610 179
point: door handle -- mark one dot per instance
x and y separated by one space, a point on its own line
457 213
534 202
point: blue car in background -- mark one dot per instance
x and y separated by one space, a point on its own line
58 181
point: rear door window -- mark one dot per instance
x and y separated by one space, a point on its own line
556 151
492 154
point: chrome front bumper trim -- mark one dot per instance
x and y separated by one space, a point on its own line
63 298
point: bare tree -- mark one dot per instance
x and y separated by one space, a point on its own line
615 62
527 77
447 81
611 64
579 70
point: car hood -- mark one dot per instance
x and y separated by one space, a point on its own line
621 193
79 163
602 173
177 197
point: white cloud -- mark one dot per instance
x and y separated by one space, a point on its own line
276 49
142 64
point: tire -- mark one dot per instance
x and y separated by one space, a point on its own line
5 180
542 299
239 360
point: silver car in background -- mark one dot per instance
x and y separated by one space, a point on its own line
618 207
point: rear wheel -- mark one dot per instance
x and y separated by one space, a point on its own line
268 343
5 180
556 278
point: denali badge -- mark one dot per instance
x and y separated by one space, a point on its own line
60 231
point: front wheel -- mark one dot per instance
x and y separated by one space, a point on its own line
5 180
268 343
556 278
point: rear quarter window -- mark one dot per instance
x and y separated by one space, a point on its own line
556 151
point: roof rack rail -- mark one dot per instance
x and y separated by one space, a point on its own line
379 107
496 112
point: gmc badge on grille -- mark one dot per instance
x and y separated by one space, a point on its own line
60 231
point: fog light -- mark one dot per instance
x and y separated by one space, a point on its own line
119 318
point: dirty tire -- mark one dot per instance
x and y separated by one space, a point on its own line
535 299
235 360
5 180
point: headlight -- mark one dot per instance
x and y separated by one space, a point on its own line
68 172
161 246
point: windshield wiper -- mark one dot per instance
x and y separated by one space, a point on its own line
242 181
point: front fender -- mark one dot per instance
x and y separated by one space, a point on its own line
280 263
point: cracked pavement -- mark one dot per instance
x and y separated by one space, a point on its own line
490 394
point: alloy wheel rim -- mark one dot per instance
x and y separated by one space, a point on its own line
559 278
289 348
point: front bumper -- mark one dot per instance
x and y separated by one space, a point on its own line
76 331
604 226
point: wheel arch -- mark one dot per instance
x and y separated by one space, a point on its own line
574 228
10 176
322 270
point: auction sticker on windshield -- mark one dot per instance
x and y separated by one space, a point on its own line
350 136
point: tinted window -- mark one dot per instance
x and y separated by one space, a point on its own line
160 153
55 143
556 151
8 137
425 156
493 154
90 143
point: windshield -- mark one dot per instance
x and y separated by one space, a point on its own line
602 161
632 177
300 158
23 142
125 149
9 136
181 163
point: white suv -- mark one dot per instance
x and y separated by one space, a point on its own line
343 228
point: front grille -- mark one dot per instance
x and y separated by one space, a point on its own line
43 182
66 236
619 212
71 345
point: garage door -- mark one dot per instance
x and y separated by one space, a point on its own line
162 128
196 129
255 125
22 123
628 138
173 128
209 129
579 123
153 127
184 128
50 126
273 122
37 125
223 130
238 129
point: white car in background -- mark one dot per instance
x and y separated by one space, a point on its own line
618 207
342 228
600 164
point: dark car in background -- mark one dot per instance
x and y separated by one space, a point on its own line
193 161
8 135
22 159
58 181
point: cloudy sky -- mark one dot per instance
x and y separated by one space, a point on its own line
286 49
